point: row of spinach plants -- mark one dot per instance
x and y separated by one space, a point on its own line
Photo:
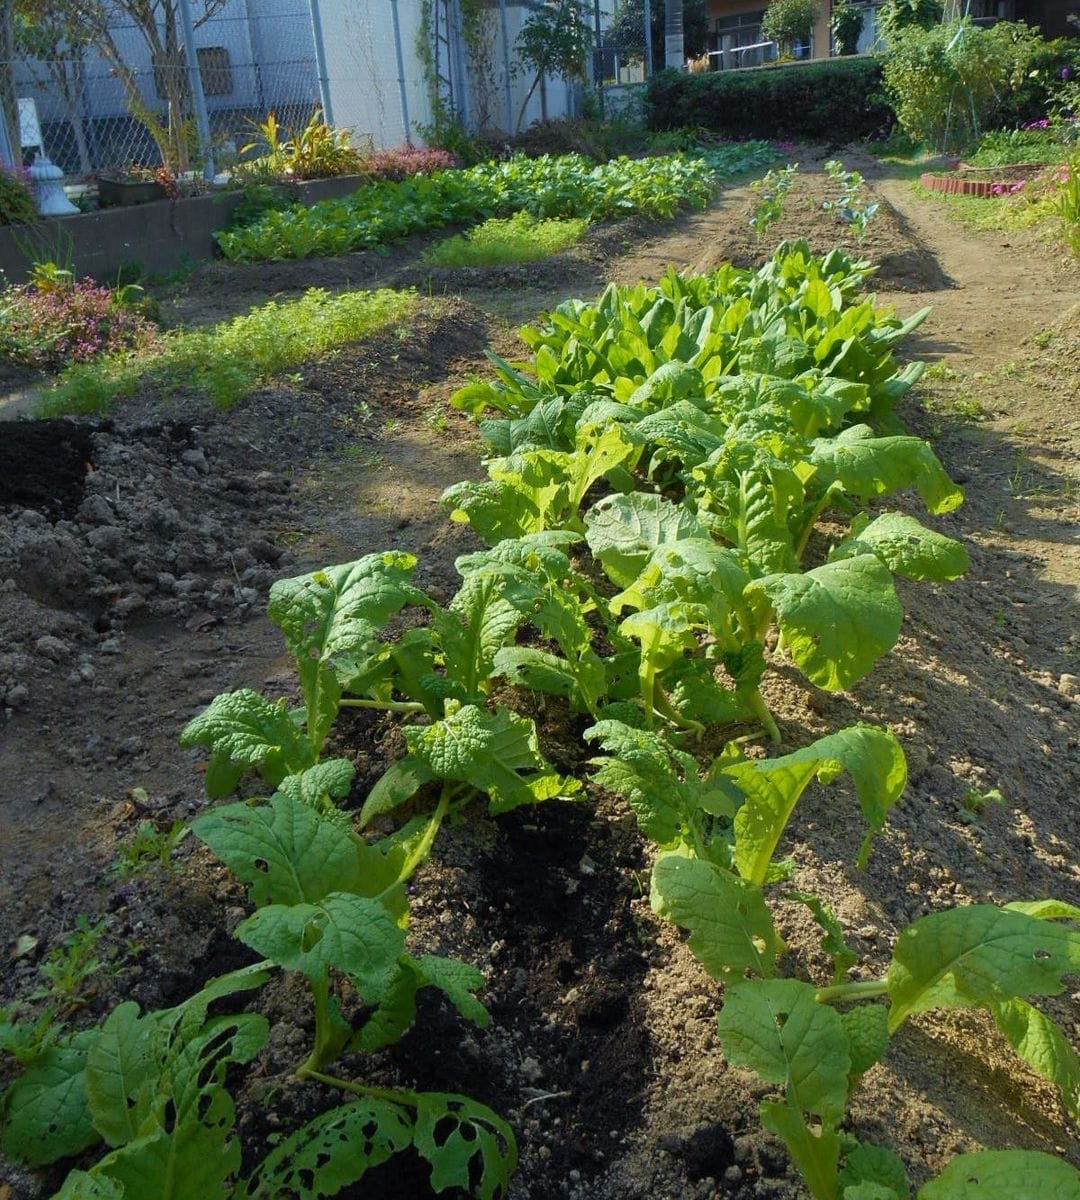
568 185
659 468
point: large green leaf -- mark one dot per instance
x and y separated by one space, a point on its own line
331 1152
622 531
288 854
978 955
1004 1175
778 1029
349 933
836 620
772 787
195 1159
247 730
467 1145
866 465
905 546
125 1056
477 623
335 612
1041 1043
45 1114
729 923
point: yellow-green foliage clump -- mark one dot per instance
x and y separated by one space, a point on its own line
227 360
520 238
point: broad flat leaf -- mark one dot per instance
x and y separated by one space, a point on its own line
287 853
906 547
866 466
331 1152
729 923
872 1191
867 1029
778 1029
489 751
457 981
337 611
875 1166
248 730
197 1158
1004 1175
45 1112
772 787
1041 1043
123 1059
978 954
467 1145
622 531
394 1014
349 933
1045 910
398 783
538 671
836 620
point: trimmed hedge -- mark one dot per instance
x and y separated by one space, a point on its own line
834 99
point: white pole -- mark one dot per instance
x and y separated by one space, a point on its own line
320 62
202 118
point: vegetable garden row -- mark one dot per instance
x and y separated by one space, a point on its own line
651 514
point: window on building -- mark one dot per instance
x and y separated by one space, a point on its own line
215 69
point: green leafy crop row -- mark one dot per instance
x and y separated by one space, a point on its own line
659 467
226 361
567 186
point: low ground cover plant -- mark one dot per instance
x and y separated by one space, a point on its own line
17 203
520 238
1003 147
566 187
227 360
54 321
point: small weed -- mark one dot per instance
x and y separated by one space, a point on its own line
1043 338
973 803
68 967
940 370
149 847
968 408
435 418
390 424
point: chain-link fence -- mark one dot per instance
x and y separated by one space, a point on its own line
130 103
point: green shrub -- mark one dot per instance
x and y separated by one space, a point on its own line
520 238
845 25
788 21
840 96
897 15
17 205
1000 147
949 83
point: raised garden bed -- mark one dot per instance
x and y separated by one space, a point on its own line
981 181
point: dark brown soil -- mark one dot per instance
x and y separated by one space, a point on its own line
132 593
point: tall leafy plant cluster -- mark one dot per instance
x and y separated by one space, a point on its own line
565 186
658 468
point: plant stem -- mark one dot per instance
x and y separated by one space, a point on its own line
400 706
761 710
862 989
323 1050
360 1089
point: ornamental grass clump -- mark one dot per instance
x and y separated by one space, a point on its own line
50 324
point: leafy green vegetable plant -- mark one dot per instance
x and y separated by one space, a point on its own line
772 190
569 186
849 206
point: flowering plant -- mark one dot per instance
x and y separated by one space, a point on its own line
56 322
